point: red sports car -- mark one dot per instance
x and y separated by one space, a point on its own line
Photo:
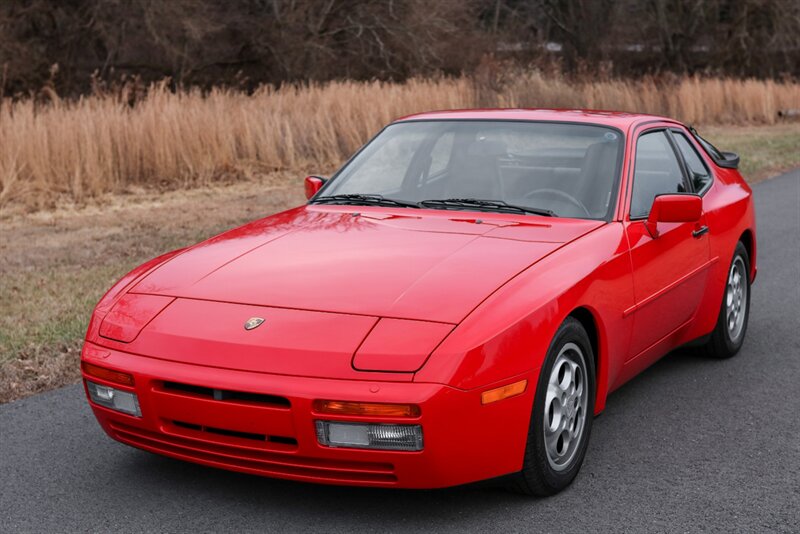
454 304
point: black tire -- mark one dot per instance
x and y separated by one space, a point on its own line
722 343
538 476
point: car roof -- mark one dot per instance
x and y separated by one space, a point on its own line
619 119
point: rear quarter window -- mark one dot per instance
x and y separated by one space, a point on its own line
699 173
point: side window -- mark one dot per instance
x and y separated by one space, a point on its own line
441 152
700 175
656 172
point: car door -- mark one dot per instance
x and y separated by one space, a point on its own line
669 271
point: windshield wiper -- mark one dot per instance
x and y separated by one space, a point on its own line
359 199
480 204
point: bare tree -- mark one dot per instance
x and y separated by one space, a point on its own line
65 43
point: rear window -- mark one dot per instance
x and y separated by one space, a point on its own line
713 151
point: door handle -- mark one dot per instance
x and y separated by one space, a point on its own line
700 231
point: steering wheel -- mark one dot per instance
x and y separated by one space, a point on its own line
562 194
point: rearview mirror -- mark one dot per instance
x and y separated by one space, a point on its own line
313 184
673 208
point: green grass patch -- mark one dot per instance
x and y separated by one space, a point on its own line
764 151
51 306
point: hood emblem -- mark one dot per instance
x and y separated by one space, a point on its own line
253 322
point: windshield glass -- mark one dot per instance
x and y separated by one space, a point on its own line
566 170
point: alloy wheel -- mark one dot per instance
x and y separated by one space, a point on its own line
736 299
565 407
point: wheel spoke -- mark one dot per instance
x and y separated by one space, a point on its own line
573 386
565 376
553 409
565 442
577 425
551 442
553 392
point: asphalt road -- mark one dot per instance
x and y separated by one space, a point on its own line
690 445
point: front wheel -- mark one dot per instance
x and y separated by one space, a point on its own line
563 409
728 336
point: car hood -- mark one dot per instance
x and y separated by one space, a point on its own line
365 261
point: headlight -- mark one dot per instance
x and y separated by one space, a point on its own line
130 314
399 345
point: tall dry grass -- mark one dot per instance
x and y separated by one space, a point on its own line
73 150
694 100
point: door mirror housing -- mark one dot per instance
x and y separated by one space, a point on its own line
313 184
673 208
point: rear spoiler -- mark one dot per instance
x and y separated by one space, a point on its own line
728 160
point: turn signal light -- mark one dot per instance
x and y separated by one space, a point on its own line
107 374
374 409
497 394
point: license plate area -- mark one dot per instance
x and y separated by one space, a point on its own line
226 420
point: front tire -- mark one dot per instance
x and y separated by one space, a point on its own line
728 336
563 409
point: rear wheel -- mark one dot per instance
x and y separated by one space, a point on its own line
563 409
728 336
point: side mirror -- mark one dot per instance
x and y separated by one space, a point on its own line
313 184
673 208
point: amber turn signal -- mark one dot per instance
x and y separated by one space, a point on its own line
107 374
511 390
376 409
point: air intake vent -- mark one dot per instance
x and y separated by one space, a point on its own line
236 434
227 395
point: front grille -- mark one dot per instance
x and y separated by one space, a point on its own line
250 459
236 434
227 395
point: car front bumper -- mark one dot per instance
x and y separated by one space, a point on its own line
271 431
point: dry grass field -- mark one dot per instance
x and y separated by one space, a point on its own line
54 151
55 265
92 188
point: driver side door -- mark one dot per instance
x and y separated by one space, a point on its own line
670 270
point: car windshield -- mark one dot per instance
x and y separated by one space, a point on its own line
547 168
